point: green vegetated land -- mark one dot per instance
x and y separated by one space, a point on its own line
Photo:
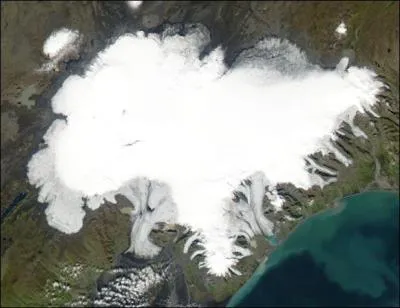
42 267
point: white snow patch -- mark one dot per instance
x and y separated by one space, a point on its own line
289 218
59 45
134 4
341 29
177 135
58 41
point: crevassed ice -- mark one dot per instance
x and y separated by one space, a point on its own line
178 135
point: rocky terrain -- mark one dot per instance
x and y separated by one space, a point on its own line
41 266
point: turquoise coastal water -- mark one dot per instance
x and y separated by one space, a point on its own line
348 255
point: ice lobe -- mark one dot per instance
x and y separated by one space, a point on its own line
152 203
243 217
189 141
42 173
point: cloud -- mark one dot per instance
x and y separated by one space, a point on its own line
149 111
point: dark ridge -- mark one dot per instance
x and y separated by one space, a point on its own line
129 260
238 195
346 137
391 121
324 174
343 149
362 150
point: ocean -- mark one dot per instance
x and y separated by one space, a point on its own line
347 256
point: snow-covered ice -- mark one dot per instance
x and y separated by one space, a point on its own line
341 29
134 4
58 41
178 136
58 45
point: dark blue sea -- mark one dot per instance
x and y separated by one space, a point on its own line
345 256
